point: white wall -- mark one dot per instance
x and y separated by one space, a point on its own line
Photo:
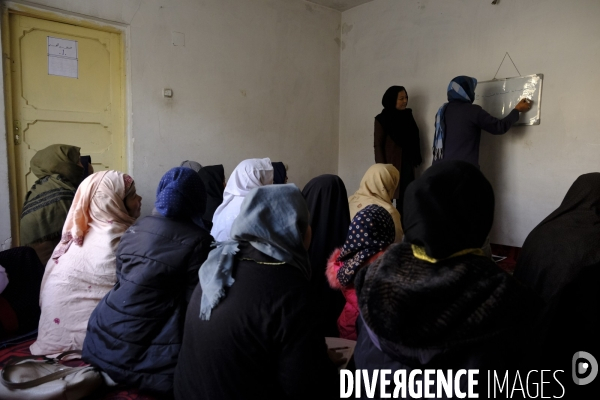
255 78
423 44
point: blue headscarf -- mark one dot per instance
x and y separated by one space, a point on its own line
273 219
461 89
180 195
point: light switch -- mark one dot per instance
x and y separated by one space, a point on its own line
168 93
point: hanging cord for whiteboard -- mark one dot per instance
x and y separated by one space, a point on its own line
511 60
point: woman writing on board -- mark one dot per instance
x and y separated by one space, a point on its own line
459 122
397 139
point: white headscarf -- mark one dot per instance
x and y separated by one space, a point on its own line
248 175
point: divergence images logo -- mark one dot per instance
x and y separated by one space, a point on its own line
584 364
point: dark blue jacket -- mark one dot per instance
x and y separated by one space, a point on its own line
135 333
464 122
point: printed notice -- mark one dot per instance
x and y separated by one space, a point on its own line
62 57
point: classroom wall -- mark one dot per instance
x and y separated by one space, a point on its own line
254 78
423 44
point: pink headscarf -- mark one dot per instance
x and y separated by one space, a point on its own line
99 203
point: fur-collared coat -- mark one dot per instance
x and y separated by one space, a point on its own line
459 313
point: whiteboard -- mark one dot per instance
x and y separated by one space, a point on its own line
499 96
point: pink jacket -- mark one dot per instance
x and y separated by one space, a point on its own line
347 319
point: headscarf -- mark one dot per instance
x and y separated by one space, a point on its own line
213 177
58 159
377 187
558 250
273 219
371 231
400 126
249 174
327 202
49 199
181 195
279 172
448 209
461 89
192 165
560 261
100 204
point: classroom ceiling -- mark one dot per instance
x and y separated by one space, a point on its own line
340 5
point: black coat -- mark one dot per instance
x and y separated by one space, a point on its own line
262 340
460 313
135 333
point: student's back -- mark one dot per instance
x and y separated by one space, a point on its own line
256 342
135 333
251 330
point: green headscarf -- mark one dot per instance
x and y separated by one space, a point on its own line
48 201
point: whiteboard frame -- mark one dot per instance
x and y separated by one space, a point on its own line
537 100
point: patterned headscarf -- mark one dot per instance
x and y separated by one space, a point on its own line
460 89
371 231
99 203
181 194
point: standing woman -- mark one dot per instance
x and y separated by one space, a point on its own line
397 139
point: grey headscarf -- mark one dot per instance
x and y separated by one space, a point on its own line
273 219
192 165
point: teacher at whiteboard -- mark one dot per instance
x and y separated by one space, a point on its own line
397 139
459 122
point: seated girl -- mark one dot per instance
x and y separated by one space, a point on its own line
135 333
435 301
560 261
20 276
370 233
378 186
213 177
250 331
47 203
82 267
327 202
249 174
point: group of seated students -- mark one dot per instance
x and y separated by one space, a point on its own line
228 289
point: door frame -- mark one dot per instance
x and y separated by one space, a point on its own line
64 17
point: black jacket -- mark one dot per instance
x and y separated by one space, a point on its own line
135 333
460 313
262 340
